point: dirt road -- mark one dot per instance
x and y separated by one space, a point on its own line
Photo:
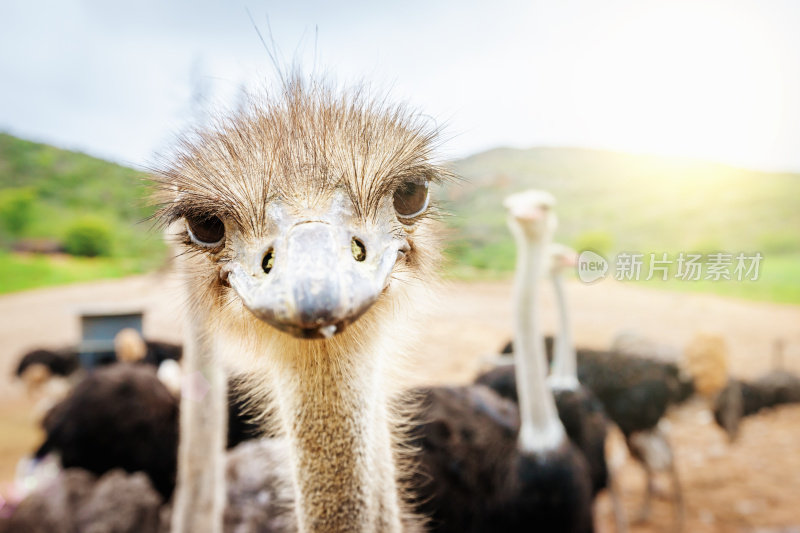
753 485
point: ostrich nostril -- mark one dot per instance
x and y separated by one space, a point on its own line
223 277
358 249
267 262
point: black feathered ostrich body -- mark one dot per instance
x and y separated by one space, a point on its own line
635 393
308 241
120 416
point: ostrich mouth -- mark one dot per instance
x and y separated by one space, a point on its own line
318 281
321 332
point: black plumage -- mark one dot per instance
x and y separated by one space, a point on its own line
471 476
740 398
158 352
634 391
120 416
242 425
580 411
59 362
586 424
65 361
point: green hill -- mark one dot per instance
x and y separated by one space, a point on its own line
46 192
616 202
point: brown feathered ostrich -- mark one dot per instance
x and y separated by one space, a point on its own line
308 240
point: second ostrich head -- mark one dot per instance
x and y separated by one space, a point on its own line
531 216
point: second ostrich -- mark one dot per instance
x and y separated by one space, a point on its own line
486 465
636 393
306 223
580 411
551 458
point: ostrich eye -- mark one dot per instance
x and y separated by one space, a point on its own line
411 199
207 232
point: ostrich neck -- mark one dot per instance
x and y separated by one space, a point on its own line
200 494
540 428
334 412
565 366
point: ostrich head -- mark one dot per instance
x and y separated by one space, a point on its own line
302 211
561 258
530 214
129 346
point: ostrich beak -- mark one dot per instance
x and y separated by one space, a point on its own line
318 279
527 213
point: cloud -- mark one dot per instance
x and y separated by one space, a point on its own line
694 78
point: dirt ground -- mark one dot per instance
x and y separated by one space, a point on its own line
751 485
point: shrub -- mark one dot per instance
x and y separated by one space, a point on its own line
780 243
598 241
89 237
16 209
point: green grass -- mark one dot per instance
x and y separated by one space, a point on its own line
778 281
21 272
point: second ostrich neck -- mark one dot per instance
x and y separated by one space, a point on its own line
334 412
540 428
200 496
565 365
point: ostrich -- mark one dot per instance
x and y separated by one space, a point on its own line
307 232
119 416
635 393
131 347
488 470
77 501
542 436
122 416
472 475
58 362
48 376
578 409
739 398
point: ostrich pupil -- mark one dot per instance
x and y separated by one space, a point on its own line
411 198
206 230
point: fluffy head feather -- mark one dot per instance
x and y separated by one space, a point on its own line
298 146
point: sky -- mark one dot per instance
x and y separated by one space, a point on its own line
716 80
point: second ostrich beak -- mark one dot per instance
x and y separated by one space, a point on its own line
316 277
